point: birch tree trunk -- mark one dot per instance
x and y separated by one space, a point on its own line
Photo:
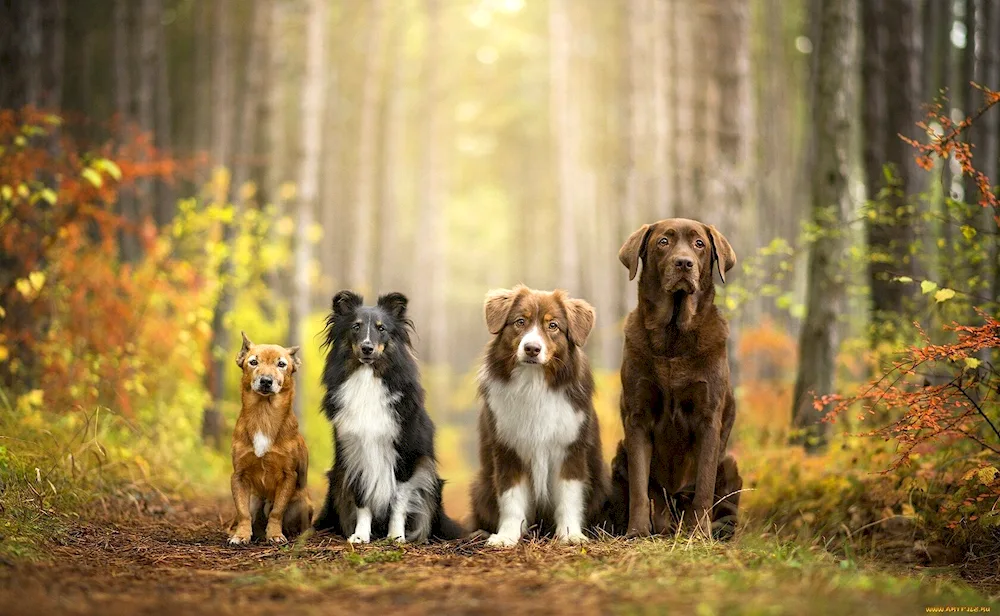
364 204
313 92
831 138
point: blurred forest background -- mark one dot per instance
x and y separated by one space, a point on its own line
176 171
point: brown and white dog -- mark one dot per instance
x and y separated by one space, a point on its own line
539 440
270 458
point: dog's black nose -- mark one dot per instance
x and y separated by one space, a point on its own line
532 349
367 348
684 263
266 382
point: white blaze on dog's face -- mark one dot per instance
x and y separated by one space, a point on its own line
536 328
267 368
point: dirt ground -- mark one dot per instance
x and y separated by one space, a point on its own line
178 562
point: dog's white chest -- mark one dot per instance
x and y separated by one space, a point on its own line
261 444
538 423
366 429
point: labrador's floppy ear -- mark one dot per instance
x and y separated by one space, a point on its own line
497 306
244 350
634 249
722 251
581 316
293 353
395 304
346 302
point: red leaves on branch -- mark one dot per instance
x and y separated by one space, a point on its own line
939 392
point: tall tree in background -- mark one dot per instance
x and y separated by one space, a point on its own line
367 166
431 243
222 105
123 111
149 27
391 267
313 92
831 138
562 114
890 110
988 142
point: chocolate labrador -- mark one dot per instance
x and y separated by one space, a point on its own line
677 405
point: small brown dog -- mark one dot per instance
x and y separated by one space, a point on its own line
677 406
270 459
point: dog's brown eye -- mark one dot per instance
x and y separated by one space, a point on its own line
282 364
253 362
553 325
520 322
357 326
663 241
699 243
381 328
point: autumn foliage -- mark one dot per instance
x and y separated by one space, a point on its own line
76 322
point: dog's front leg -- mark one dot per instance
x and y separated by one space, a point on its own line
570 494
241 498
286 487
707 443
397 515
639 445
363 527
513 505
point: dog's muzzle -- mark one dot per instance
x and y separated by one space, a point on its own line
265 386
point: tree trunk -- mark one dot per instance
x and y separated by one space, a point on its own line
202 77
364 206
831 138
889 111
633 210
560 110
432 233
989 146
390 262
149 27
166 207
222 106
127 239
313 92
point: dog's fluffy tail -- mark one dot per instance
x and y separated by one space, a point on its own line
446 528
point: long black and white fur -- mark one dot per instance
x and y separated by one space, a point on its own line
384 480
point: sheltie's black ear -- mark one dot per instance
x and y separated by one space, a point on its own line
346 302
395 304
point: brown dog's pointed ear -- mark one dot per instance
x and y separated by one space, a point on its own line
293 353
634 249
581 317
722 251
497 306
244 350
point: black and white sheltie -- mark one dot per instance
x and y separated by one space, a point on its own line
384 480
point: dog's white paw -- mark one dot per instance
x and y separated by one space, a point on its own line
356 538
238 540
574 538
501 541
398 539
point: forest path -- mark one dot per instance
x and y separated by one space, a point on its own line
178 563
